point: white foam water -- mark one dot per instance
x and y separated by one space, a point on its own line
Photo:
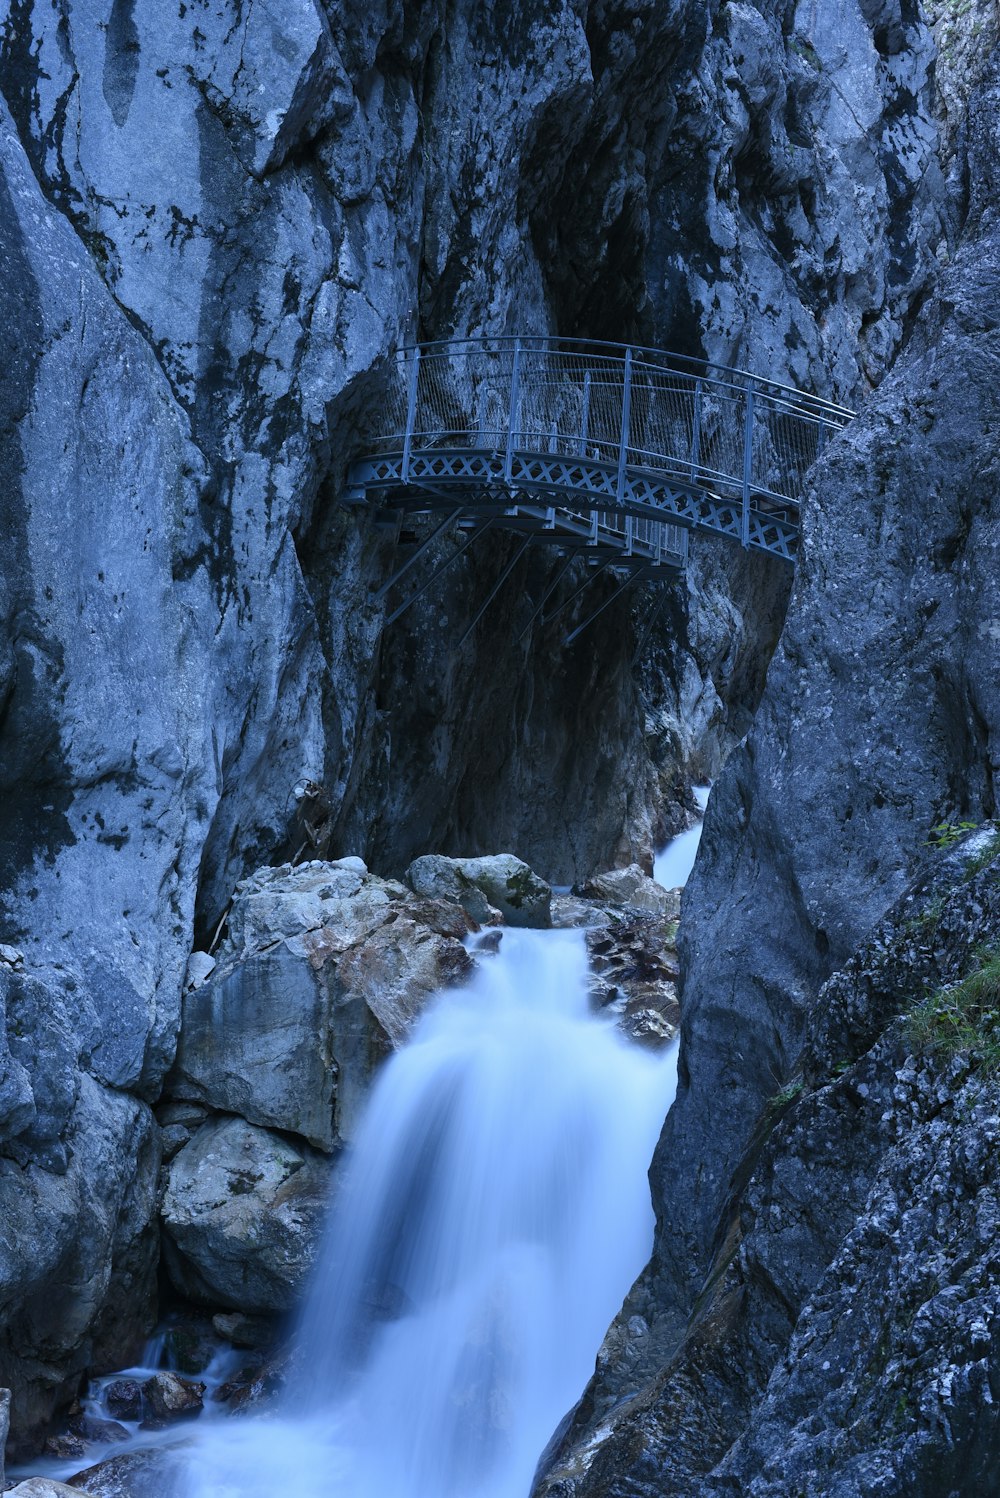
491 1220
673 864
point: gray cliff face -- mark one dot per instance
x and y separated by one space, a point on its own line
879 720
846 1341
216 221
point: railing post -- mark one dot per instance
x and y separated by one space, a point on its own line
747 467
626 412
629 534
515 398
411 413
585 429
696 433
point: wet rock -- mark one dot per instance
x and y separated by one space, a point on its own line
633 961
66 1446
634 888
123 1399
169 1397
133 1474
242 1215
46 1487
246 1332
11 956
570 911
484 885
189 1345
259 1388
322 973
92 1429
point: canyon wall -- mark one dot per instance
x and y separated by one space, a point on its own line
878 724
218 219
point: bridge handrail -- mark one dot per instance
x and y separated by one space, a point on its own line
734 433
698 367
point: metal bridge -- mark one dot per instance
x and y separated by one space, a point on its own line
611 452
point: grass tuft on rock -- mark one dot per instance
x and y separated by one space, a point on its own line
963 1018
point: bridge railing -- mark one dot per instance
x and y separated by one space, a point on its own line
716 428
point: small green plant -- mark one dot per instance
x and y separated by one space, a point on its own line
947 833
964 1017
787 1095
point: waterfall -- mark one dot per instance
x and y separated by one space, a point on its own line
673 864
490 1221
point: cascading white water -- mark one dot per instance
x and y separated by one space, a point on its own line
493 1215
673 864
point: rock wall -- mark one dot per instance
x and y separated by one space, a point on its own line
845 1343
879 721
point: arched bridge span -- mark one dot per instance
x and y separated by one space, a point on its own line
612 451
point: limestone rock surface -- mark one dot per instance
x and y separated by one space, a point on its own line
880 721
847 1335
78 1266
322 973
634 888
483 886
241 1216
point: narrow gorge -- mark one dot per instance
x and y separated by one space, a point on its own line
333 813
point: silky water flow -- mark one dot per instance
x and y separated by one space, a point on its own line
491 1218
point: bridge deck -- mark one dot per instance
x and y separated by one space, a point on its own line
617 451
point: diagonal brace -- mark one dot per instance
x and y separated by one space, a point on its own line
416 555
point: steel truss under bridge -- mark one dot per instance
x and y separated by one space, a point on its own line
604 451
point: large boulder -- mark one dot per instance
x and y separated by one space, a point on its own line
322 973
483 886
634 888
242 1213
134 1474
46 1487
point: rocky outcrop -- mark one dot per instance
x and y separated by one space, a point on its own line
634 888
322 973
242 1216
497 887
845 1340
880 721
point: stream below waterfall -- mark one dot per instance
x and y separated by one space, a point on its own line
493 1215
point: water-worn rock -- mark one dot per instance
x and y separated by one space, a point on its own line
323 971
246 1332
168 1398
485 886
123 1398
241 1216
46 1487
632 887
133 1474
633 962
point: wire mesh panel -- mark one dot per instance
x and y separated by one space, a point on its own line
621 416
